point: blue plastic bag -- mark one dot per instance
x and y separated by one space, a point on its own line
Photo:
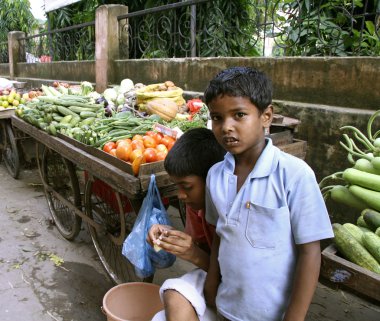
135 247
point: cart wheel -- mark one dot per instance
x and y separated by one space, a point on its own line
116 225
59 174
10 152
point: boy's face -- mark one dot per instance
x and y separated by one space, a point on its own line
191 190
238 126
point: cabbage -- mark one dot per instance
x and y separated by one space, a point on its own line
126 85
120 99
110 94
86 87
94 95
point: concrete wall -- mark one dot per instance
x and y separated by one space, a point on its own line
74 71
345 82
4 70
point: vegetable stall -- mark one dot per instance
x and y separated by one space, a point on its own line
353 259
96 152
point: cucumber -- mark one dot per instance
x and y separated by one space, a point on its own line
372 218
57 118
77 109
52 130
65 111
372 244
361 223
355 231
87 114
66 119
87 121
74 121
353 250
364 229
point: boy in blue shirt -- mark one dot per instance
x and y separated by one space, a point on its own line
267 208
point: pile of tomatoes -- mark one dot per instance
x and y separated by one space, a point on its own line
148 148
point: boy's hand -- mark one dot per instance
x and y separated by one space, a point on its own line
155 232
177 243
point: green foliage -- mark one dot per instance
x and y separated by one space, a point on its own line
233 28
15 15
329 27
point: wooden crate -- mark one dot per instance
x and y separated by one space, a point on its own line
341 272
297 148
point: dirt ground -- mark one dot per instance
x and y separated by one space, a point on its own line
43 277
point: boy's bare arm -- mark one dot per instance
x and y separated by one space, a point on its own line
213 274
305 281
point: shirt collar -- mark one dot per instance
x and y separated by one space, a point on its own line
265 165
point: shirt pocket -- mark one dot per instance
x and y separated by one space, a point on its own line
264 225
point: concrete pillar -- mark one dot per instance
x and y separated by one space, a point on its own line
16 52
106 43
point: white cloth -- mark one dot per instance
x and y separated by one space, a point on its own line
190 286
278 206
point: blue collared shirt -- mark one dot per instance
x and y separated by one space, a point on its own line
278 206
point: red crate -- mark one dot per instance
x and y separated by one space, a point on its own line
106 193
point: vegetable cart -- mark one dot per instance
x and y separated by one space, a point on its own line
73 179
83 183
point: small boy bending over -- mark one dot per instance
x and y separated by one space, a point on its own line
267 208
187 163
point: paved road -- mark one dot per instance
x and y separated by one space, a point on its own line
34 287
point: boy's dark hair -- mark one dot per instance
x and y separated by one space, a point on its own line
241 82
194 153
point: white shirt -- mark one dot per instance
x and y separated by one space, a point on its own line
278 206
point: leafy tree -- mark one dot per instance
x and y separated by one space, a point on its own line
329 27
16 15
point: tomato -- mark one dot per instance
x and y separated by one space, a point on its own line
156 135
166 140
139 137
161 148
108 146
134 154
149 141
113 152
150 155
123 141
161 155
170 145
137 144
137 163
123 151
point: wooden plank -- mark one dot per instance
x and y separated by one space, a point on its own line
117 178
7 113
349 275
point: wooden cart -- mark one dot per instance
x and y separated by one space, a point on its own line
62 165
8 143
83 183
